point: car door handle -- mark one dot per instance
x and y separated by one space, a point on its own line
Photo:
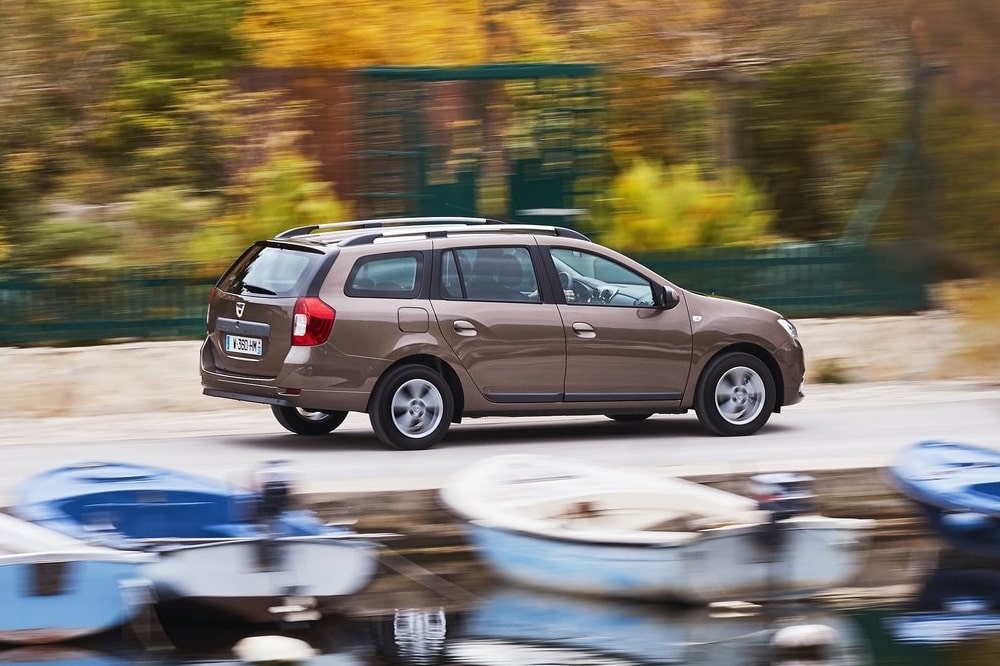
583 330
463 327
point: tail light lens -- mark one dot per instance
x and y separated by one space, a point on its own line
311 322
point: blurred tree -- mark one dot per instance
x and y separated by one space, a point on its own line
54 69
278 194
359 33
813 136
964 147
116 122
194 39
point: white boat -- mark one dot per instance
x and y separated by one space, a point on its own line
577 527
239 552
56 588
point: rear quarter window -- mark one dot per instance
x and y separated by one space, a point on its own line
386 276
271 271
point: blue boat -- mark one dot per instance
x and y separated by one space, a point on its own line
246 552
55 588
957 488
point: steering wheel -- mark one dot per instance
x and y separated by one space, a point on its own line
565 281
606 293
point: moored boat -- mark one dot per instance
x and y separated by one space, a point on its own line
956 486
577 527
246 552
55 588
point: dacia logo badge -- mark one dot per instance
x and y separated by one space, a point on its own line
239 309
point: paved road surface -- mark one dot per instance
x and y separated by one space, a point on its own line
837 426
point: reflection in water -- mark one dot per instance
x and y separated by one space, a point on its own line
957 602
519 627
419 635
60 655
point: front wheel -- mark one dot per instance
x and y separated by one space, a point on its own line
411 408
735 395
306 421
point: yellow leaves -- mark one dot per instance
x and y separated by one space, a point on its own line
525 34
358 33
661 208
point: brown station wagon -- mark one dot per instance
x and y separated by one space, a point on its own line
420 322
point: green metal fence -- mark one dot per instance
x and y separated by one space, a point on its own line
48 307
44 307
806 280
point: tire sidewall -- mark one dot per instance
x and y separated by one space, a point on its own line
291 420
380 412
705 405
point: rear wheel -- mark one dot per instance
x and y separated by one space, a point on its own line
411 408
307 421
735 395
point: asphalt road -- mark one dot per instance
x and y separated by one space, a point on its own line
837 426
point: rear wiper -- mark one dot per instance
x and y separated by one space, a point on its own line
258 290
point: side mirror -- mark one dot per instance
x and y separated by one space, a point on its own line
665 297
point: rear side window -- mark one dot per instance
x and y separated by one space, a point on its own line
386 276
270 271
489 274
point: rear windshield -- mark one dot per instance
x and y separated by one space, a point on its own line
271 271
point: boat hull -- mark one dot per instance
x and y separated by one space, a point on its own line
957 489
264 580
60 597
573 526
728 564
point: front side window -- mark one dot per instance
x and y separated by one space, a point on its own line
503 274
386 276
591 279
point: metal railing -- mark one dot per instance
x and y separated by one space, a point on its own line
66 307
71 306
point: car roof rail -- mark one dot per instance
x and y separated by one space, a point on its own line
381 223
434 231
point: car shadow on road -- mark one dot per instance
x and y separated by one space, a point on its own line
492 431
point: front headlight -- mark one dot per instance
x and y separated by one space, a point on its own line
789 327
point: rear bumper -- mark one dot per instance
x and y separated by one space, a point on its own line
296 386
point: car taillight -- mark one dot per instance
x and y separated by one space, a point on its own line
311 322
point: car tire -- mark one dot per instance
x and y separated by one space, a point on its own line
306 421
735 394
411 408
628 418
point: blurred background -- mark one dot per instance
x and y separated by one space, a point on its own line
825 157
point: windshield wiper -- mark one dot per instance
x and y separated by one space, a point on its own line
258 290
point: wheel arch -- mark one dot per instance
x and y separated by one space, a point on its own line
760 353
437 365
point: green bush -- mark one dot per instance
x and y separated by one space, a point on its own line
656 207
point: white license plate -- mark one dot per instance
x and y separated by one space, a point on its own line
240 345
